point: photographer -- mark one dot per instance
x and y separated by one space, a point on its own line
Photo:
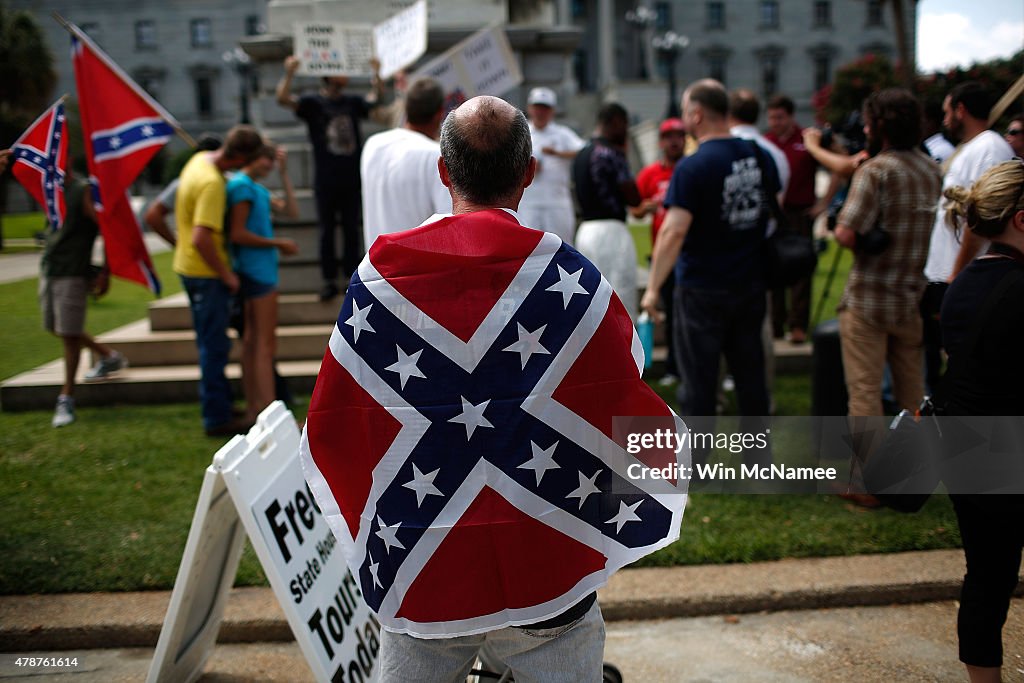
886 211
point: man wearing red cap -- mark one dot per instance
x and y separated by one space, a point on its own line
652 181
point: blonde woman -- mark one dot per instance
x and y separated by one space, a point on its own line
988 382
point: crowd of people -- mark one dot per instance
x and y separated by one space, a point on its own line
932 208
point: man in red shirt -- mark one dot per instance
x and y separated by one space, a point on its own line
653 181
799 205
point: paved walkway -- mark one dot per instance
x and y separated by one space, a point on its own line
21 266
862 618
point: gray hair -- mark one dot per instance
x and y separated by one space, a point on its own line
486 156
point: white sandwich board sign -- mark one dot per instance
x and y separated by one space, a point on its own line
255 487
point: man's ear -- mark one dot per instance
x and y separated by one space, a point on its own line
531 172
442 171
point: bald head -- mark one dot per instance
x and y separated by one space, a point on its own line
485 145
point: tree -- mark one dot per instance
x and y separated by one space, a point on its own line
26 79
853 83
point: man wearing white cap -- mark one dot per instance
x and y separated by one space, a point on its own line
547 203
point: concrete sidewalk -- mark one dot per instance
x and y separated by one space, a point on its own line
14 267
105 620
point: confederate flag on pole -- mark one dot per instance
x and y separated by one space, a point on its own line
123 129
40 157
459 440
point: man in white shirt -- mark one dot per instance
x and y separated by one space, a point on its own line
966 109
401 185
547 204
744 108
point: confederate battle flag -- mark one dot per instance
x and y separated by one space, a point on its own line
123 129
459 439
40 159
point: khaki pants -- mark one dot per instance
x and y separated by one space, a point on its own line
866 348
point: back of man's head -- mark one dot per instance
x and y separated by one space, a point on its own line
611 113
976 98
243 142
712 98
895 114
744 106
423 100
782 102
486 147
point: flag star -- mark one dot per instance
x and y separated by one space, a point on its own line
541 461
528 344
567 285
389 534
115 142
627 513
423 484
374 568
147 130
472 416
585 488
39 160
405 366
359 322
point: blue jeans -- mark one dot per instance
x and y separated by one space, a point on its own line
210 301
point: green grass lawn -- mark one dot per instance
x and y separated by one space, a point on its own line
26 345
22 225
106 503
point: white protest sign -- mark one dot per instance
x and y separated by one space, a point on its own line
482 64
402 39
333 49
257 480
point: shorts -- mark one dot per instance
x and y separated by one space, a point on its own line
62 301
253 289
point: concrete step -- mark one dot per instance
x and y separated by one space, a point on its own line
306 235
38 388
172 313
146 348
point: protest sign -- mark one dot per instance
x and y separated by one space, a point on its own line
482 64
333 49
402 39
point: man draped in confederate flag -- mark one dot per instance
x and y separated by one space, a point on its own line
460 438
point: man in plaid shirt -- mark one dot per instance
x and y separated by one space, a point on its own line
896 191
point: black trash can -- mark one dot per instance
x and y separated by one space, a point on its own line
828 384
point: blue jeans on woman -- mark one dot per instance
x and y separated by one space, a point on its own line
210 301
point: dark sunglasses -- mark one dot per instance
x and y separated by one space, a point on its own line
1015 132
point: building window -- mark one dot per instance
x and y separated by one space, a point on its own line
716 15
578 9
145 35
581 69
201 32
822 71
769 14
204 96
875 13
663 16
253 25
822 14
769 75
716 68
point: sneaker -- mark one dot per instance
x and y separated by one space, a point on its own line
669 380
329 291
107 366
65 412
